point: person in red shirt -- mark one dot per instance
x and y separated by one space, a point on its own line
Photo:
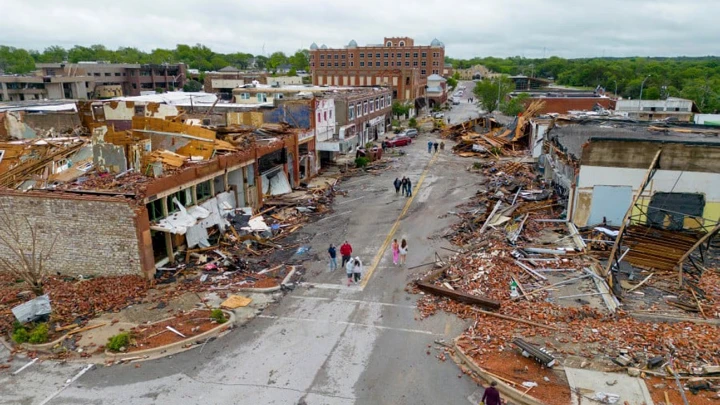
491 395
345 252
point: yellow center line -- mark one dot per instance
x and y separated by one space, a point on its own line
383 248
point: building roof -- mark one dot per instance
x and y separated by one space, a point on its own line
313 46
323 46
572 137
668 105
436 42
229 69
436 77
434 89
173 98
352 44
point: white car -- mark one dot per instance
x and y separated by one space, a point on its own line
438 115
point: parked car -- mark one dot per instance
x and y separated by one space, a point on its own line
456 100
410 133
400 140
438 115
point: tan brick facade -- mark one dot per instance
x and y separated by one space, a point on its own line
96 235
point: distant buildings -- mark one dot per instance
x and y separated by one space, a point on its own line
396 63
105 80
674 108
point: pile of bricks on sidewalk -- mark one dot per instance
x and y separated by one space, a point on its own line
516 252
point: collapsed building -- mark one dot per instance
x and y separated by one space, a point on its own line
138 182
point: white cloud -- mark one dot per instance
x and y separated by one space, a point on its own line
568 28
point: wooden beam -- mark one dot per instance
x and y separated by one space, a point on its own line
643 184
459 296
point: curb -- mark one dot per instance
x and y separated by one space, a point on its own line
44 347
158 352
511 393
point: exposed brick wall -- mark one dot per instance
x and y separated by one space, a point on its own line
96 235
61 122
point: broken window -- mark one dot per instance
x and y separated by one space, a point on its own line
183 196
155 210
203 191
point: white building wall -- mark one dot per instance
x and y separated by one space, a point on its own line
664 180
324 127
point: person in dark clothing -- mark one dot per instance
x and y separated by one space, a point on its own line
409 188
435 145
397 183
429 146
403 184
491 395
333 255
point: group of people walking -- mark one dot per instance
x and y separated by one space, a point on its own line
405 185
353 266
435 145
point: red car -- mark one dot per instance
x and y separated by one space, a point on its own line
398 141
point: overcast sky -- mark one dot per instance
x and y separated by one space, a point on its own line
530 28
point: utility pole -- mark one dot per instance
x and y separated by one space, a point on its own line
641 90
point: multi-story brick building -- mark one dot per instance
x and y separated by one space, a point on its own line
397 63
360 116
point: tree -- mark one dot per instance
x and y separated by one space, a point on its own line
27 249
515 105
16 60
276 60
299 61
53 54
399 109
192 86
292 72
490 91
452 83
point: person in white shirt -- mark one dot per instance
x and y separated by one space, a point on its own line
349 270
357 270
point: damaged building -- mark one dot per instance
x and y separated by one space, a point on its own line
599 165
135 197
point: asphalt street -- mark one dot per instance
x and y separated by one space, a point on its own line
324 342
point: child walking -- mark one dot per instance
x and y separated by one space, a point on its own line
403 251
395 251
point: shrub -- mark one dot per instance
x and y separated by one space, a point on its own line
20 335
218 315
361 161
39 334
412 123
395 123
117 342
369 145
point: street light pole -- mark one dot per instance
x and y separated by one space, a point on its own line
615 80
641 90
498 99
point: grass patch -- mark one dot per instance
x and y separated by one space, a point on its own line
218 315
119 341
